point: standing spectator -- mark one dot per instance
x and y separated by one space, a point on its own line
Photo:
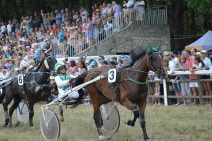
173 64
189 63
151 85
58 18
61 35
207 63
36 20
130 9
139 8
117 14
198 65
9 27
157 91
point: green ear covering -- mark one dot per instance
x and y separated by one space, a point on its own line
151 49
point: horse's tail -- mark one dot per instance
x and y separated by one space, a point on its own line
80 80
2 95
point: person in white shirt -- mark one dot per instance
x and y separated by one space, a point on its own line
130 5
139 8
9 27
173 64
130 10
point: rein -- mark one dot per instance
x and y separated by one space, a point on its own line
135 81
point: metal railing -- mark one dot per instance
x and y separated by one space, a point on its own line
152 15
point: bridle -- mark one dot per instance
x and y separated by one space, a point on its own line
150 63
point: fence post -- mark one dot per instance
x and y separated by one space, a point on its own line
165 100
200 91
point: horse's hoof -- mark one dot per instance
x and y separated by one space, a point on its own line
17 124
148 140
30 124
10 125
61 119
130 123
101 137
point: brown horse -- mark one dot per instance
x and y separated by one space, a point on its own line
131 91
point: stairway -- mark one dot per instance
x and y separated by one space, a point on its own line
119 35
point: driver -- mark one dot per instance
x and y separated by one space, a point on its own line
64 81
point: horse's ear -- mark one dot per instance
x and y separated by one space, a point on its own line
158 46
149 47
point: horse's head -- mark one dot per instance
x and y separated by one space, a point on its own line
155 63
49 63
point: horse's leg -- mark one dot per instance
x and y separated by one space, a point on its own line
15 104
61 112
31 112
142 107
6 102
133 107
136 115
94 95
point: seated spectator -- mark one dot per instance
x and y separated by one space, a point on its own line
72 68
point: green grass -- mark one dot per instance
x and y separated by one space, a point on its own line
182 123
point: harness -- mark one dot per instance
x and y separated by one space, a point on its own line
116 84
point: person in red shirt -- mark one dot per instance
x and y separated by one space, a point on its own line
189 63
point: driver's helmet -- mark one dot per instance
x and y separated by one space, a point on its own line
58 65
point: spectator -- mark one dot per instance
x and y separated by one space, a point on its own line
72 68
130 9
157 91
117 14
207 65
139 8
189 63
58 18
93 65
198 65
173 64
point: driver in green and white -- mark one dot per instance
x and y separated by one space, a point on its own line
64 81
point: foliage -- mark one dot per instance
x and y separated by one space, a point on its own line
200 6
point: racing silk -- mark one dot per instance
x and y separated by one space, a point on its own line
63 85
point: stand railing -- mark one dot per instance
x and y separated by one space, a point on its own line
152 15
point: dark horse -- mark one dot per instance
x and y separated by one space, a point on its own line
36 88
131 91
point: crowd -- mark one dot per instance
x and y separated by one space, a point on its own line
185 61
23 42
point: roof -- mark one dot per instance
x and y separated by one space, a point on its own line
204 42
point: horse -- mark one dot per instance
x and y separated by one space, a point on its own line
35 89
131 91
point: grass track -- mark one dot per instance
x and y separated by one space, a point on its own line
182 123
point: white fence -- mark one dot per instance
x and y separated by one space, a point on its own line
165 95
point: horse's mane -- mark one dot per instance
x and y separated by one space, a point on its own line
136 54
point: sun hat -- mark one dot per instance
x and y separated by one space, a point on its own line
203 51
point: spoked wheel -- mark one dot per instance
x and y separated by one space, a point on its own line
49 125
110 117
